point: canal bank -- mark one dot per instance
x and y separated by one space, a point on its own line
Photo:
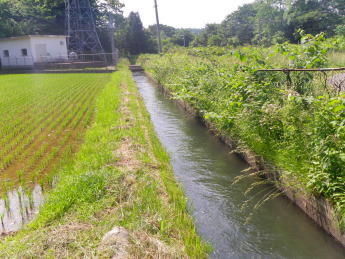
118 198
206 169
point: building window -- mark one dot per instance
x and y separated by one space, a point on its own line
6 53
24 52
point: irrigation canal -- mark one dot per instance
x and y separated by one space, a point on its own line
206 170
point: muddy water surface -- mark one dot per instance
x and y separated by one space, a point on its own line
206 169
19 208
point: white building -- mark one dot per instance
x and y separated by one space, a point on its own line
26 51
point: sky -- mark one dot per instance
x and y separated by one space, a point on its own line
183 13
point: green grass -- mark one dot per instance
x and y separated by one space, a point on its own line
121 176
337 58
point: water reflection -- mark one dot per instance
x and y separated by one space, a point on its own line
19 208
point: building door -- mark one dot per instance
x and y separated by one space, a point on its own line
41 52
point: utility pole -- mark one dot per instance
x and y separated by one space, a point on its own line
159 39
112 40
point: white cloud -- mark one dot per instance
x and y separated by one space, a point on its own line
184 13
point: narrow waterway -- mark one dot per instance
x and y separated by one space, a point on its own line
206 170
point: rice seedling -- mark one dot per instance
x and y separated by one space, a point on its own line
42 115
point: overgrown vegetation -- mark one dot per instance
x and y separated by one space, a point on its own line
296 123
121 177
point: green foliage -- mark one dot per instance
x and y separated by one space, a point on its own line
136 40
213 34
239 24
289 124
340 30
31 17
260 23
327 176
312 53
275 21
170 36
24 17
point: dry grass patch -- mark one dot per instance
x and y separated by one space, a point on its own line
145 245
126 156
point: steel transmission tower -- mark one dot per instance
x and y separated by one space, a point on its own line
81 28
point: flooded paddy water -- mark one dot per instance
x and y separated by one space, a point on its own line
18 208
206 170
43 120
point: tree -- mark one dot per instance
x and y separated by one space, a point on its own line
20 17
182 37
136 38
212 34
8 25
269 22
240 24
107 10
266 22
168 31
40 17
315 16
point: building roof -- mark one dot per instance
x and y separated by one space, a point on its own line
32 36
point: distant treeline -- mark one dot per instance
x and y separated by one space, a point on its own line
134 39
21 17
264 22
24 17
267 22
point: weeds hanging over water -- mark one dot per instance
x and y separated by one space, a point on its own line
258 193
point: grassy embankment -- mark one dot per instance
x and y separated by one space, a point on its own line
298 127
120 177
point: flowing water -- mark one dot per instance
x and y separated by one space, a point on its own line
206 170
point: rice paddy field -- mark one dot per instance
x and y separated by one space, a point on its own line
119 176
43 118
